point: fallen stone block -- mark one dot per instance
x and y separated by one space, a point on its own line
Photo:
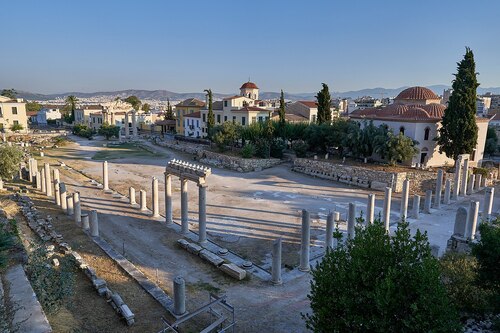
127 314
194 248
233 271
210 257
183 243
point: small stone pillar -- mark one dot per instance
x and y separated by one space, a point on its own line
1 184
134 124
458 171
168 199
85 221
472 181
42 180
57 193
483 181
38 180
131 194
404 199
155 199
126 125
105 179
416 206
69 206
489 193
179 296
30 170
447 191
142 201
351 220
305 242
336 216
276 268
465 173
94 223
439 189
77 207
428 202
184 207
329 231
48 183
370 209
479 178
34 164
63 194
386 216
202 213
470 229
55 175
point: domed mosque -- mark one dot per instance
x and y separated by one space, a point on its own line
417 113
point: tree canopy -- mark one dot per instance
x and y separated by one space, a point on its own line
10 93
491 146
210 115
134 101
458 134
109 131
71 102
324 101
10 157
33 106
282 109
146 107
169 115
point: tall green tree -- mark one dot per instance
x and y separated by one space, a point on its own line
491 146
71 101
170 113
134 101
33 106
380 283
282 109
10 93
458 134
324 101
146 107
400 148
210 115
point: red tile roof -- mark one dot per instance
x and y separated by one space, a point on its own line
233 97
429 112
309 104
417 93
251 109
191 102
249 85
193 115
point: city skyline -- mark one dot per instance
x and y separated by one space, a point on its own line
292 46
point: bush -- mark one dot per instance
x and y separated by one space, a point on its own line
109 131
278 145
480 171
10 158
6 243
380 283
300 148
248 151
83 131
16 127
262 148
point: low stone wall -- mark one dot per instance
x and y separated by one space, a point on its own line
237 163
178 145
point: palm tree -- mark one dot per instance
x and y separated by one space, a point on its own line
71 101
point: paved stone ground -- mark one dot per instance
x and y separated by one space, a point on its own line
245 213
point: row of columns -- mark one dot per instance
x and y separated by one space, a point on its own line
134 124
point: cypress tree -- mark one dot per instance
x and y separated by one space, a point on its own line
282 109
324 101
210 116
170 113
458 134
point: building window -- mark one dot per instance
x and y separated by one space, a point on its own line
426 133
225 118
16 122
254 120
234 119
14 110
225 103
204 118
402 130
243 121
218 118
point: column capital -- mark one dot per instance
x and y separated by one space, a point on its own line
202 185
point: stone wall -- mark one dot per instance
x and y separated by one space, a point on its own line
237 163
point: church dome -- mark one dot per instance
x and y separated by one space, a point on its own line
417 93
249 85
434 110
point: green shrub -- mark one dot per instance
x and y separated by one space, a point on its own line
10 157
262 148
83 131
109 131
300 148
278 145
480 171
248 151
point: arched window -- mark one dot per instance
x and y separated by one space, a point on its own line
402 130
426 133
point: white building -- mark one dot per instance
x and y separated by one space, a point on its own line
12 112
417 113
48 113
192 125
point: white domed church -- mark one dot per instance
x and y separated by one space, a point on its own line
417 113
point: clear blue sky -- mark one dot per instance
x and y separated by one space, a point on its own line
187 46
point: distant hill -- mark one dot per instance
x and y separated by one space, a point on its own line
163 95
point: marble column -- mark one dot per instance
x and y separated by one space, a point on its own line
85 222
472 181
479 178
370 209
127 128
439 189
416 206
351 220
142 197
447 191
305 242
30 170
134 124
168 199
69 205
63 193
428 202
38 180
105 178
155 199
276 268
386 214
131 194
456 182
42 180
48 183
55 176
489 194
329 231
404 199
57 193
470 229
202 213
184 207
336 216
34 163
78 208
463 189
179 296
94 223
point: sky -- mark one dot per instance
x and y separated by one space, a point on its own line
187 46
